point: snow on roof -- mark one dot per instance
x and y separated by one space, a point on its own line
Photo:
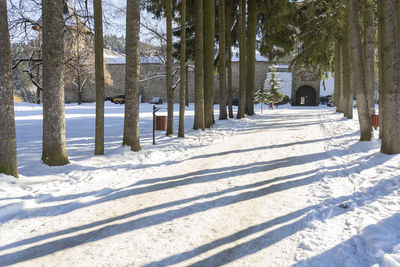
260 58
115 58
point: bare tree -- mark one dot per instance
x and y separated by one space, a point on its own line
54 144
132 74
8 148
170 91
99 80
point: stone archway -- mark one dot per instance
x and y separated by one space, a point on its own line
306 96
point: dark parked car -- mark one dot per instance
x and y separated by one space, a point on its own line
119 99
156 100
108 98
235 101
326 100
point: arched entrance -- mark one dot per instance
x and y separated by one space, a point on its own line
306 96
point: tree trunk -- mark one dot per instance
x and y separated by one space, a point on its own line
8 148
347 74
391 79
182 84
170 91
228 16
359 74
199 122
99 77
132 75
222 61
251 55
54 144
209 34
338 72
242 58
380 66
369 54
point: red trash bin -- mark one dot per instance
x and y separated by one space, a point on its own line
161 122
375 121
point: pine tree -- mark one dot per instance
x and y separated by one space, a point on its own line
242 60
271 92
251 54
209 45
222 61
182 85
199 120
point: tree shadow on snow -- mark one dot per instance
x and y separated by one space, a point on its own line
298 179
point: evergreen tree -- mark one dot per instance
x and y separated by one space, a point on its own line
209 43
359 73
251 54
242 60
390 68
271 92
229 24
222 61
182 83
199 121
117 43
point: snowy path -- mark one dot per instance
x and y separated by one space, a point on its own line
267 195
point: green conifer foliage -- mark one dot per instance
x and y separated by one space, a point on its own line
271 92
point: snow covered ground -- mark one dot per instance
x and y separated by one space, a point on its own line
290 187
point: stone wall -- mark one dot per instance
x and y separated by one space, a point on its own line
156 87
305 77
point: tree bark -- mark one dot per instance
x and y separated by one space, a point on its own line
182 84
8 148
359 74
251 55
338 66
99 77
380 66
199 122
54 144
228 16
369 54
347 73
222 61
170 92
209 34
132 75
242 56
391 79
